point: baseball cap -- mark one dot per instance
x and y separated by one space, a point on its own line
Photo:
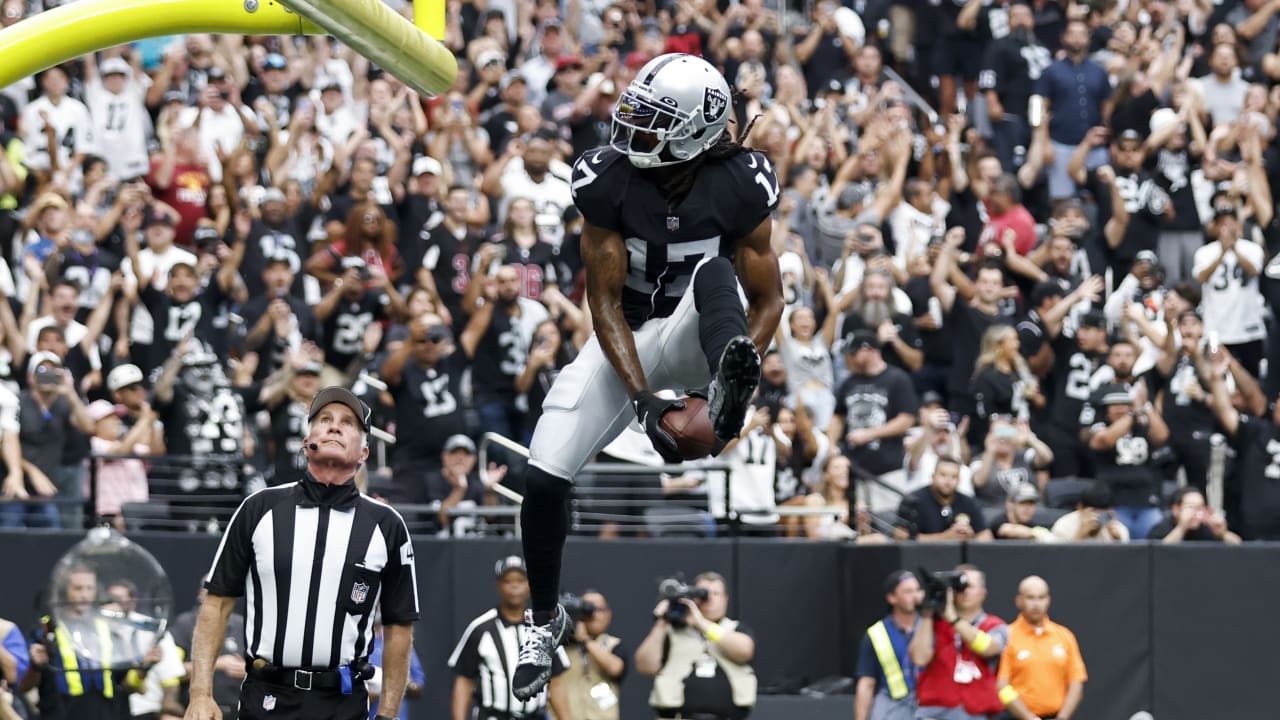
1224 207
1114 394
122 376
568 61
931 397
1130 134
1094 319
1025 492
459 442
489 57
508 564
174 96
114 66
851 195
896 578
215 74
337 394
156 216
273 194
311 368
205 235
862 339
1146 256
789 262
99 409
426 165
40 358
275 61
509 78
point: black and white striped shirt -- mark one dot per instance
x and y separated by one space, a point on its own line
487 654
314 561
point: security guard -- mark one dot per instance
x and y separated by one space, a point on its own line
701 669
314 558
1041 672
596 663
76 677
886 688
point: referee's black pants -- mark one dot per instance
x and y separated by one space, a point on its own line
261 700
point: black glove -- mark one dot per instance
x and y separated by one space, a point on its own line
649 410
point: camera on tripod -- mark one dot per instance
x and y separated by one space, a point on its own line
936 585
673 590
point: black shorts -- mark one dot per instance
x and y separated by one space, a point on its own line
266 701
959 55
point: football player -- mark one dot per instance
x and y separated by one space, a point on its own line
685 294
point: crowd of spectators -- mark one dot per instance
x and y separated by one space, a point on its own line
1024 247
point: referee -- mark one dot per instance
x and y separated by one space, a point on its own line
487 654
314 558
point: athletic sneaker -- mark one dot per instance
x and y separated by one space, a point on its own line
731 389
533 666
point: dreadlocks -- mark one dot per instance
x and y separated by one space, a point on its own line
681 181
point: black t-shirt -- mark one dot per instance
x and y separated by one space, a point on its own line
427 407
208 421
288 424
419 215
968 325
92 272
937 344
827 62
1011 68
1144 199
1004 480
500 358
448 258
906 330
266 243
173 320
999 393
1184 415
344 330
870 401
1168 523
1254 487
728 200
921 513
536 264
1126 467
1172 170
1072 369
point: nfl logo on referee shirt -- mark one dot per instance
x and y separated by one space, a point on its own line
269 702
359 592
673 223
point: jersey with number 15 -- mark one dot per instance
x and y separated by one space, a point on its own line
728 200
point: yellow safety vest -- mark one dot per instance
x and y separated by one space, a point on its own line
880 642
71 663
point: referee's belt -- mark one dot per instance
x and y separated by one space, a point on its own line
304 679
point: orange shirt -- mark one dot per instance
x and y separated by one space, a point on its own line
1040 663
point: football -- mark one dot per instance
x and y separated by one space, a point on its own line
691 428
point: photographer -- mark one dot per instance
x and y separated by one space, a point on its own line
596 659
1093 519
958 646
697 656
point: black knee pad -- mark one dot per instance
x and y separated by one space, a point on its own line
716 276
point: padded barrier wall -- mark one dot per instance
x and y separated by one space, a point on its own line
1185 632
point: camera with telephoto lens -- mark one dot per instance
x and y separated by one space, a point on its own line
936 585
576 608
673 590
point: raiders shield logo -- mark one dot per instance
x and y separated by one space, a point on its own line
269 702
714 104
359 592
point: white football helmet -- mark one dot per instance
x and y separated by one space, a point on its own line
676 108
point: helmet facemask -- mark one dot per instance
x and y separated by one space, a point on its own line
652 133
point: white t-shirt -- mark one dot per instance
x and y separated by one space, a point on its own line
121 126
165 673
217 129
550 198
74 131
1230 303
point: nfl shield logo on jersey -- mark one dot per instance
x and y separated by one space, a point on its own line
269 702
673 223
714 103
359 592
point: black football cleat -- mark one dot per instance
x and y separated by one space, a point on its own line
533 665
730 391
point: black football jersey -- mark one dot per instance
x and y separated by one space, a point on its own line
729 199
